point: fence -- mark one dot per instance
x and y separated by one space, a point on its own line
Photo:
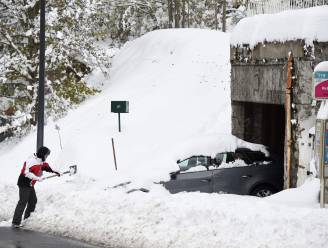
255 7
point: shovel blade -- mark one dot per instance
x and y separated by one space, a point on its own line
72 170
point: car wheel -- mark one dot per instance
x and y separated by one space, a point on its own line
263 191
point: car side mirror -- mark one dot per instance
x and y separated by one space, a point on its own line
178 161
173 175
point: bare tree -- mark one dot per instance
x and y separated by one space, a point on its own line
224 15
183 22
217 6
170 12
177 13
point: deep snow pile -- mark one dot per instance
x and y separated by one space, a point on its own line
158 219
304 24
177 82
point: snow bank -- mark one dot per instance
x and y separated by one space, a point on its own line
305 24
115 219
177 83
211 144
307 195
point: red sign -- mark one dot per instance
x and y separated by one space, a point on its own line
320 81
321 90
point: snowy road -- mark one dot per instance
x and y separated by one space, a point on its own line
20 238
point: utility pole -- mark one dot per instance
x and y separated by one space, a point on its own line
40 115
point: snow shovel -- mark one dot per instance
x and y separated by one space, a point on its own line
72 170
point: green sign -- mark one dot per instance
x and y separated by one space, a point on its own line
119 106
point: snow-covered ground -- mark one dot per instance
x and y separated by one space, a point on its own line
177 83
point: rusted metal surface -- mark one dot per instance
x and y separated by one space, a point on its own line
288 108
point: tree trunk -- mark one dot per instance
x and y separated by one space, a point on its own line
177 13
188 14
216 15
183 23
170 12
224 15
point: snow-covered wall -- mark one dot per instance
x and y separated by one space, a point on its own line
258 77
259 49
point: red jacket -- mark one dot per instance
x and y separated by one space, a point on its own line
32 171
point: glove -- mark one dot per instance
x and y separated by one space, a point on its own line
40 179
57 173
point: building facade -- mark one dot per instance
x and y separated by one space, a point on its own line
259 89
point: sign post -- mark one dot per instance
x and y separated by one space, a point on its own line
119 107
320 91
321 155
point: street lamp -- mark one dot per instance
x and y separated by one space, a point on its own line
40 113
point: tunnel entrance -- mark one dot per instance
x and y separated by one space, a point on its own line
265 124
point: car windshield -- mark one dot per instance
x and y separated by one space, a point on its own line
192 162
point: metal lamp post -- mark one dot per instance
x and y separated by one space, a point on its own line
40 114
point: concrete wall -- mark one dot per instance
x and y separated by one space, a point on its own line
258 83
238 122
260 74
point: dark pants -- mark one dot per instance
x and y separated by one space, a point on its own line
27 197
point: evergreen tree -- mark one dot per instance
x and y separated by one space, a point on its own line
73 30
70 55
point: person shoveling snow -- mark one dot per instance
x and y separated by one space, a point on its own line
30 174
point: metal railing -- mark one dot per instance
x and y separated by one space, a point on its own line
255 7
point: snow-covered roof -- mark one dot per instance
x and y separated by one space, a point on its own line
306 24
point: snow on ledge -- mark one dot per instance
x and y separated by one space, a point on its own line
306 24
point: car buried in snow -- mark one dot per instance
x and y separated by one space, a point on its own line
242 172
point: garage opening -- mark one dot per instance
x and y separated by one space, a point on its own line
265 124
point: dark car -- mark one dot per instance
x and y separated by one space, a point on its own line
243 172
